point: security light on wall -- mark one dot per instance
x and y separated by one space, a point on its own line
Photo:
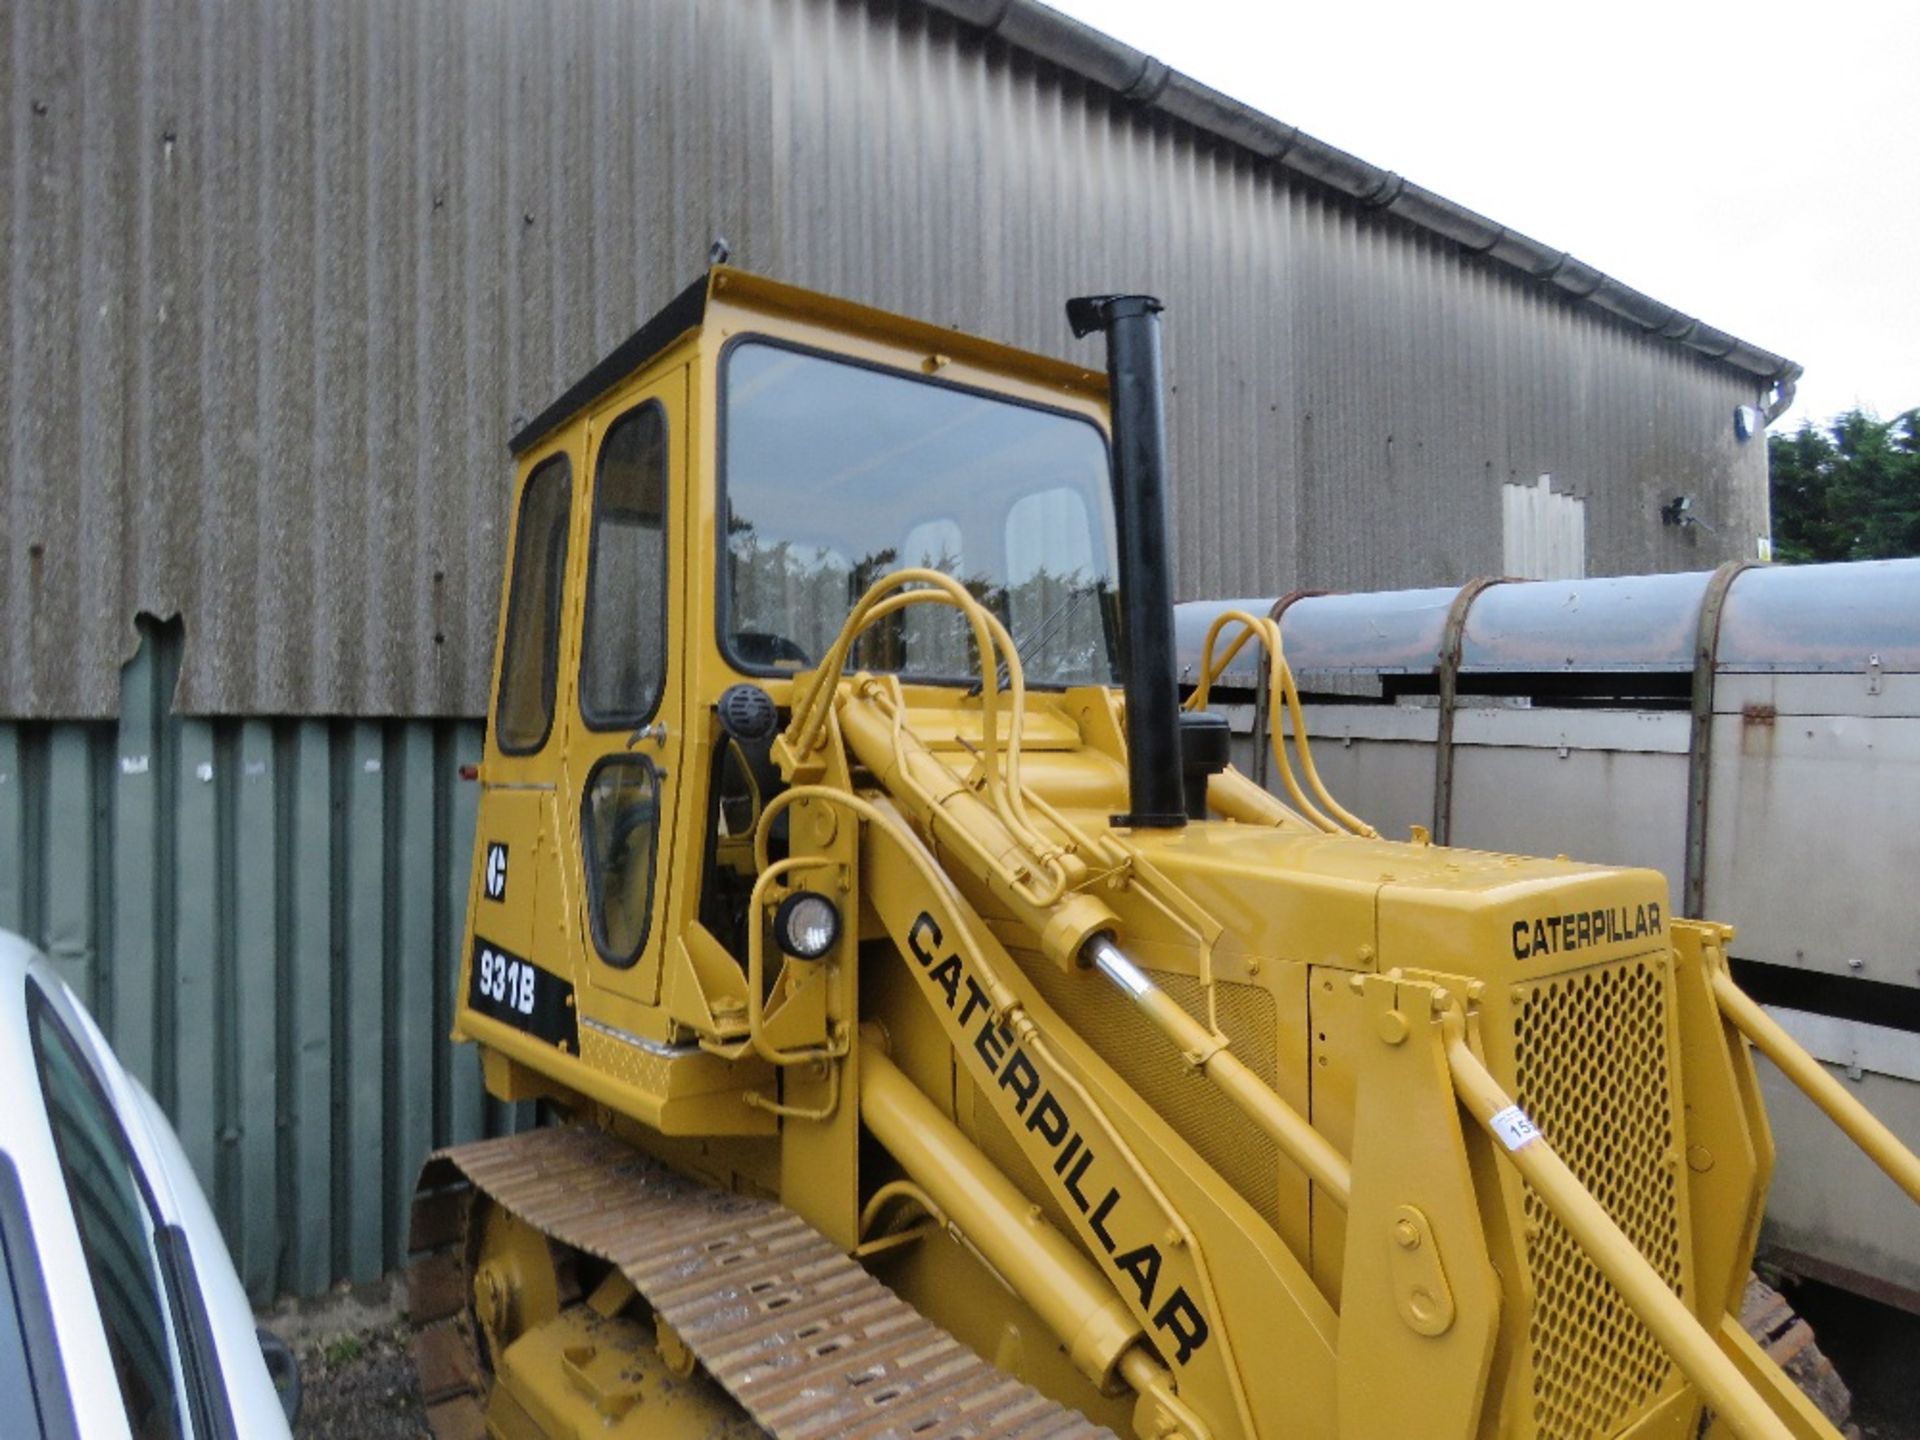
1679 511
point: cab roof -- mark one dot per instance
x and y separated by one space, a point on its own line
724 285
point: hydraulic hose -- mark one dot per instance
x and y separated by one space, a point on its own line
1284 694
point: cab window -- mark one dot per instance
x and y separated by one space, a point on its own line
1050 555
524 713
621 825
623 647
835 473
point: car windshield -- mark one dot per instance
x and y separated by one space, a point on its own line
836 474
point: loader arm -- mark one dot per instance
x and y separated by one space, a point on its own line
1415 1196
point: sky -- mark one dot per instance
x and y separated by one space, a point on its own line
1756 165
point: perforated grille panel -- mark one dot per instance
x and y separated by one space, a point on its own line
1592 1069
1112 1024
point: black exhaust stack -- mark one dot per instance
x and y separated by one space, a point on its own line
1154 770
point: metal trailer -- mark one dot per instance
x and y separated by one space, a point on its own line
1753 732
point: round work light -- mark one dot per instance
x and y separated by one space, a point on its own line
807 925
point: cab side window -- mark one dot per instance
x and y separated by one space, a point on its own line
524 714
117 1234
621 823
623 648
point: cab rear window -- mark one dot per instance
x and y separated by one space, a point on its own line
530 656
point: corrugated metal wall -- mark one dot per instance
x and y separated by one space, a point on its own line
1349 394
265 917
275 278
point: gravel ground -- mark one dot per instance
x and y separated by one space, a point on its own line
358 1381
356 1367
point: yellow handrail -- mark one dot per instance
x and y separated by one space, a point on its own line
1004 1003
757 965
1860 1124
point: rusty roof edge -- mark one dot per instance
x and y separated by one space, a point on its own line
1134 75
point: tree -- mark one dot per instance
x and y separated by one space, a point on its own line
1847 491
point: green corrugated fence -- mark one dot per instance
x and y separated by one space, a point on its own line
265 917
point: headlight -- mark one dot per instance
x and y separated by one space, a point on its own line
807 925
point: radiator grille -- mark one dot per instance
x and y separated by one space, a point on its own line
1592 1069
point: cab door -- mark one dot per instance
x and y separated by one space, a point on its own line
625 765
516 858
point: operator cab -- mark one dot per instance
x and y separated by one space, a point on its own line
701 511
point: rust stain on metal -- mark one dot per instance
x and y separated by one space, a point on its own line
1757 728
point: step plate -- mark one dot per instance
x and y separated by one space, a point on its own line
807 1341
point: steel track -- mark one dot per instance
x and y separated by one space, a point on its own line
808 1343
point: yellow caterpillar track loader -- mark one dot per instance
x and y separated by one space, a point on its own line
938 1038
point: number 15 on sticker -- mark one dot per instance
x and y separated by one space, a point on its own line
1515 1129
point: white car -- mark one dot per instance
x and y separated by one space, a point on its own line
120 1313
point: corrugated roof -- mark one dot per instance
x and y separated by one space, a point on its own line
1139 77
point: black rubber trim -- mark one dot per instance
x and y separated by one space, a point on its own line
199 1354
26 1291
1870 1002
674 319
